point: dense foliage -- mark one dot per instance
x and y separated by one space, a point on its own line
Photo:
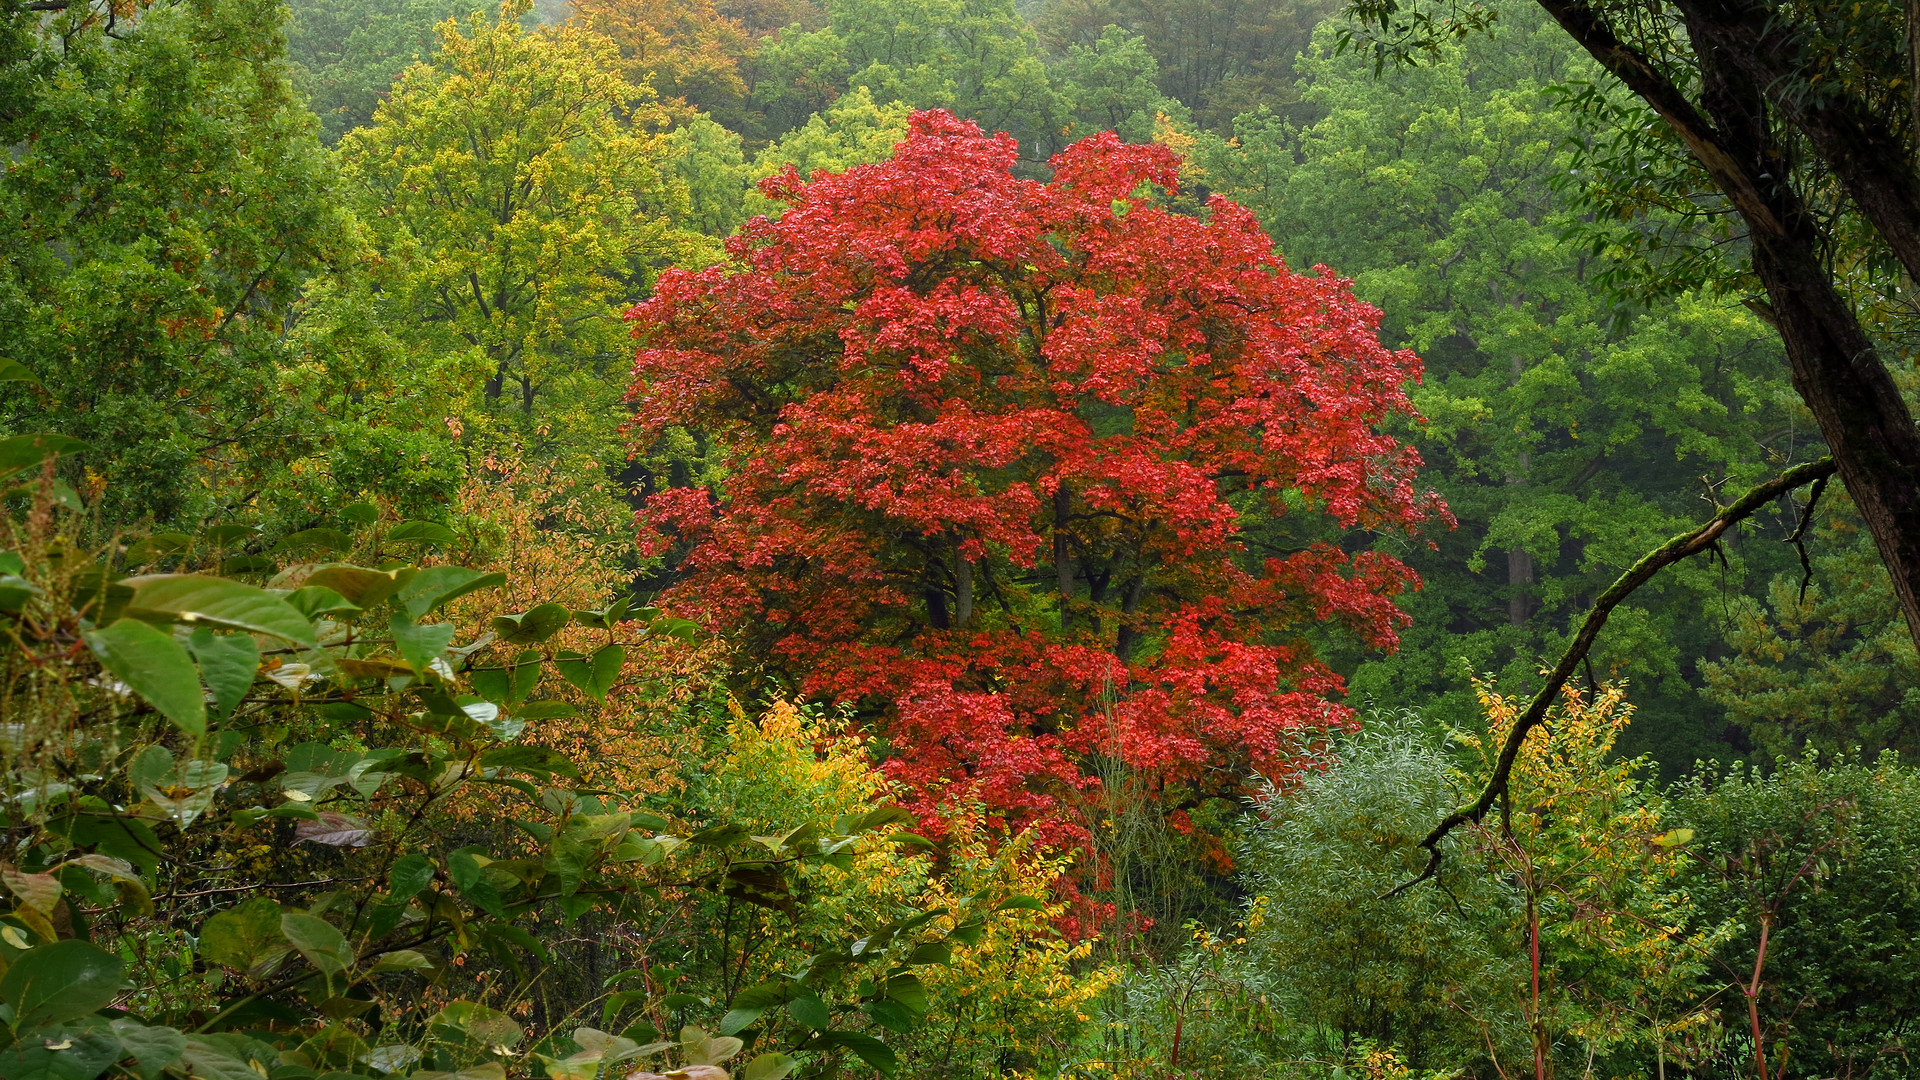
992 444
684 539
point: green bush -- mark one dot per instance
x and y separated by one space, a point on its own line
286 819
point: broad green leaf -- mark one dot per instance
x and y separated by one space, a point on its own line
403 960
155 545
723 835
769 1066
360 513
421 532
593 675
15 592
488 1027
931 952
28 451
410 874
885 815
439 585
67 1052
318 940
468 877
228 663
810 1011
603 618
611 1048
156 667
607 662
152 1048
315 540
152 765
683 629
533 759
246 564
700 1048
891 1015
871 1050
532 627
908 990
420 645
1020 903
226 535
314 601
225 1057
360 585
14 371
59 981
546 710
232 605
246 937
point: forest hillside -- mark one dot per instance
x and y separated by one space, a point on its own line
932 539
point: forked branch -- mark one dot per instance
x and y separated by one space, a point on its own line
1680 547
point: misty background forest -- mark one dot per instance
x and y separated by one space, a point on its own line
1177 539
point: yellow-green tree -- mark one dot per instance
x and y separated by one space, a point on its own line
517 192
1610 960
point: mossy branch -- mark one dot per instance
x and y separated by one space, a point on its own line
1683 546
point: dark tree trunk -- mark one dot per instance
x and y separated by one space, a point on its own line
1519 586
1834 365
1129 604
1062 557
962 586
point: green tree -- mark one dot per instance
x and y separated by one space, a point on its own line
1109 85
346 53
519 197
1218 57
1815 863
851 131
978 58
1831 668
1567 432
163 202
1345 960
708 158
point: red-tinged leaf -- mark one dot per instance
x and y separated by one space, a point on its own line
333 830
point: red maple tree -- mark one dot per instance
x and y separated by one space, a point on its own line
1036 473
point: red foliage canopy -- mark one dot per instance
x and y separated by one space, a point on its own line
1039 473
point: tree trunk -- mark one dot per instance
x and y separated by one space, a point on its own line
1913 61
1128 636
1865 423
1062 558
962 586
1519 578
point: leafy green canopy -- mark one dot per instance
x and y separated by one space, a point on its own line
162 206
518 194
976 58
1819 858
328 797
1567 432
347 53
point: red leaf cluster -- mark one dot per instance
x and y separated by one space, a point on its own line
945 390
